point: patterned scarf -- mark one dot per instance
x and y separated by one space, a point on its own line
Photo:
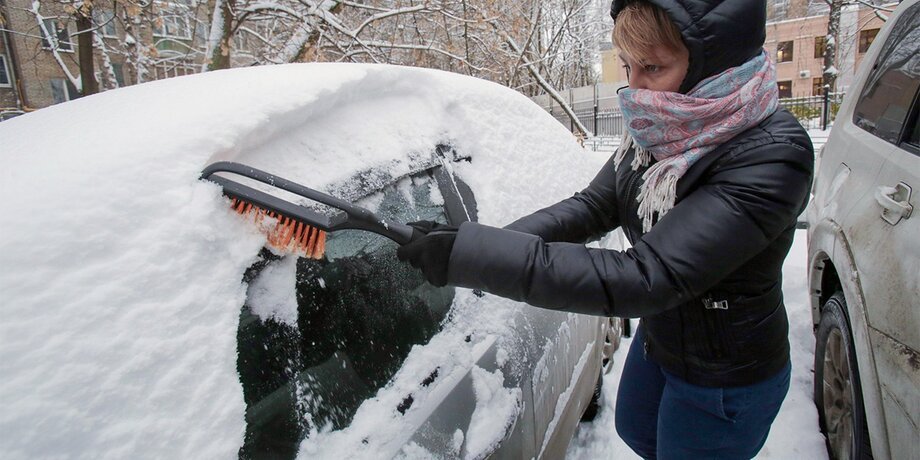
678 129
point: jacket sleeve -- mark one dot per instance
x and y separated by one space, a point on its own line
586 216
745 204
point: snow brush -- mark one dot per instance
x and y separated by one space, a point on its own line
299 229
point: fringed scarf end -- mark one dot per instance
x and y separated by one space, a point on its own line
658 194
641 158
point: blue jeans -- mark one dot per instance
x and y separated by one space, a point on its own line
659 415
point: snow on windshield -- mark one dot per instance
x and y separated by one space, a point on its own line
121 271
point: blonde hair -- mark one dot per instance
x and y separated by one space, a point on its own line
640 27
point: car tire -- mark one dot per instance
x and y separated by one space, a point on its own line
838 392
611 344
594 406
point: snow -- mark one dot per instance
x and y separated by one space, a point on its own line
819 137
458 441
272 294
121 270
496 409
413 451
794 433
563 399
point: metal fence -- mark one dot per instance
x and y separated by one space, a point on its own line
814 112
597 108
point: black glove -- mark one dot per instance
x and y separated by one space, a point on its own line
429 250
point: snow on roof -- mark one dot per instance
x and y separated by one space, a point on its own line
121 272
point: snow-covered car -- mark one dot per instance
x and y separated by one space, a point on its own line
142 317
864 255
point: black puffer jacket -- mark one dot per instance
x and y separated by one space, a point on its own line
706 279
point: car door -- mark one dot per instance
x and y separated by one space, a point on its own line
883 230
893 293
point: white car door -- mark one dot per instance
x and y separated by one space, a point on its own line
892 289
884 231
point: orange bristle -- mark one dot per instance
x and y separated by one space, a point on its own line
305 241
320 245
297 234
277 233
311 241
287 235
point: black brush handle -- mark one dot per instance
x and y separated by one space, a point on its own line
354 217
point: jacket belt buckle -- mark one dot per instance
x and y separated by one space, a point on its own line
714 304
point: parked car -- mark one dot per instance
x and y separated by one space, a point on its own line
864 254
142 317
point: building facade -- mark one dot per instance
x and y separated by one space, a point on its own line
132 43
797 47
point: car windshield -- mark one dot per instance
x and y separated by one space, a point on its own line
359 312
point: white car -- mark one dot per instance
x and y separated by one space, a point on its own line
864 254
143 318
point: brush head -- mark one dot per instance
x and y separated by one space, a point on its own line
287 235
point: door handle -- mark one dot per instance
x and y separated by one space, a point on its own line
895 201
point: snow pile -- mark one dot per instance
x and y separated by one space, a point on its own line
496 409
121 271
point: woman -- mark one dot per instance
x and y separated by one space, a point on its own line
707 186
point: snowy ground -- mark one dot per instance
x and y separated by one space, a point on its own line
795 432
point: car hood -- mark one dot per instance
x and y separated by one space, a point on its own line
121 271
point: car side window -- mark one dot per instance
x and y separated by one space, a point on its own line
359 311
886 98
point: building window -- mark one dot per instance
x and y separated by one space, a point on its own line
820 46
59 39
119 71
105 21
167 70
785 88
816 8
784 51
866 37
62 90
780 9
174 21
5 80
174 26
817 86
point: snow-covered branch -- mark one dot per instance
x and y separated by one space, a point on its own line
545 84
53 45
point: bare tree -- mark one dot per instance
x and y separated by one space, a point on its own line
834 10
530 45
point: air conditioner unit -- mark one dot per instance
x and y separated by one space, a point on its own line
804 73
